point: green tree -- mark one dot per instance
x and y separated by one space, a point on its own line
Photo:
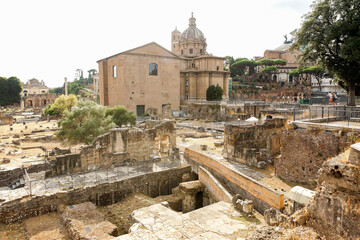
84 123
270 62
330 36
242 64
3 91
10 90
214 93
121 116
74 87
295 74
58 90
14 89
269 70
228 62
61 104
316 71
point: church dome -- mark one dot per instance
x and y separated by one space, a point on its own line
192 32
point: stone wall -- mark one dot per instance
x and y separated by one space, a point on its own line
116 147
5 120
251 144
152 184
217 111
303 151
237 182
216 191
39 100
334 212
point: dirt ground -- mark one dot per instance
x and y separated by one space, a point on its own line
25 152
44 227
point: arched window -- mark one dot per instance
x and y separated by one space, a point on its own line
114 71
43 91
25 93
153 69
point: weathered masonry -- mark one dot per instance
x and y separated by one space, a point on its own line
152 184
248 188
118 146
250 144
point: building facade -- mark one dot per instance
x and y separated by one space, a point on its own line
199 69
36 94
141 79
34 86
283 53
146 78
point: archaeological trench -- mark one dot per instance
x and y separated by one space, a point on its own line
215 173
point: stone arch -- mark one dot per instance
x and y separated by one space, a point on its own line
162 143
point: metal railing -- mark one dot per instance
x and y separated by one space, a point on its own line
95 177
327 114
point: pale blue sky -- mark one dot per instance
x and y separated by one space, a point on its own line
49 40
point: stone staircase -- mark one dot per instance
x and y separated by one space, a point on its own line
17 184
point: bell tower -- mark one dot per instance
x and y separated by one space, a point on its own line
175 38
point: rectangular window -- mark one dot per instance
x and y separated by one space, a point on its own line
140 110
182 52
153 69
200 51
187 83
191 50
114 71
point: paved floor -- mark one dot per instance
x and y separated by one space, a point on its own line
160 222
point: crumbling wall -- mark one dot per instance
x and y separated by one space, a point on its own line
116 147
335 210
152 184
251 144
303 152
5 120
236 182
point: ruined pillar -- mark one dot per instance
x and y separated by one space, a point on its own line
190 191
66 90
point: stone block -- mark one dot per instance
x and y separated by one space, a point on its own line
273 217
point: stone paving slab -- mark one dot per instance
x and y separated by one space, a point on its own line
216 221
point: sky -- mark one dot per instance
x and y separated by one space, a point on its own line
49 40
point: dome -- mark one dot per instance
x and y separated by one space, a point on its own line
192 32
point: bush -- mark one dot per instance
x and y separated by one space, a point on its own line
61 104
121 116
84 123
214 93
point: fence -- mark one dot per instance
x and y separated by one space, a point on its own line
95 177
326 114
